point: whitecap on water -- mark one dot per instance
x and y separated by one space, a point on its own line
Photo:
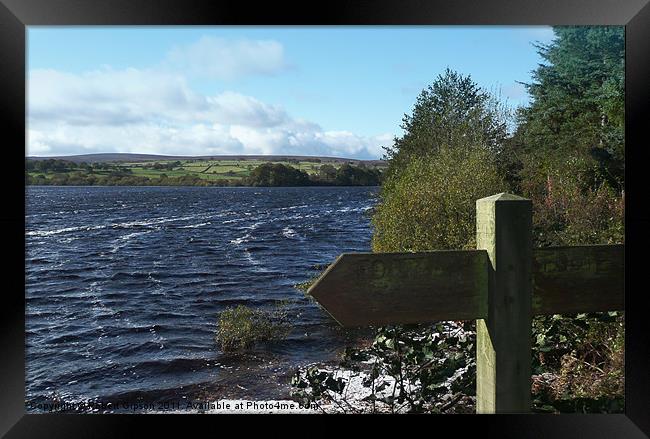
253 226
194 226
290 233
149 222
254 262
128 236
63 230
242 239
123 240
152 221
236 220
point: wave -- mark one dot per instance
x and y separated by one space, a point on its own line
194 226
72 337
38 261
153 221
124 225
253 226
123 240
63 230
131 275
256 248
293 207
290 233
241 239
131 235
355 209
236 220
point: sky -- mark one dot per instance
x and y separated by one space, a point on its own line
323 91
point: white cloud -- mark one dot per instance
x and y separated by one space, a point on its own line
238 109
123 97
220 58
156 111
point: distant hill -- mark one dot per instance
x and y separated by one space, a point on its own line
128 157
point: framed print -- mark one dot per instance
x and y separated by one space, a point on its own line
232 209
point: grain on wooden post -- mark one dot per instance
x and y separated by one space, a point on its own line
503 354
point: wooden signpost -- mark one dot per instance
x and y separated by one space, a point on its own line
501 285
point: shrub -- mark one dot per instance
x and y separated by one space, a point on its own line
572 202
431 205
241 327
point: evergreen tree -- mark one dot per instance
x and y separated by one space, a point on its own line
578 99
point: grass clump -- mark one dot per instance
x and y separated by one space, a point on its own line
304 286
241 327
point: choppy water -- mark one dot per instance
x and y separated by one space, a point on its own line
124 285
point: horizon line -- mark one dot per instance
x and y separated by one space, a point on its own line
178 156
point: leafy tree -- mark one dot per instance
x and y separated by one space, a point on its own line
452 111
348 175
431 204
327 172
446 160
277 174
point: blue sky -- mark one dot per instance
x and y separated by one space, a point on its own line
338 91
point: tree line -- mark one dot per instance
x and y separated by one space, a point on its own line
66 173
277 174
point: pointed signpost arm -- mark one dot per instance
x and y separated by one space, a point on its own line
366 289
503 356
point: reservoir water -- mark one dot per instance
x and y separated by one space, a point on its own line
124 286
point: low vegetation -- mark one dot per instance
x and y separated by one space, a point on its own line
578 363
240 327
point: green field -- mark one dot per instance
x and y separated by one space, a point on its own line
215 169
204 169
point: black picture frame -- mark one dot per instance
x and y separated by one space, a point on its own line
15 15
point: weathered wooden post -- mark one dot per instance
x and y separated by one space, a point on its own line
503 355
